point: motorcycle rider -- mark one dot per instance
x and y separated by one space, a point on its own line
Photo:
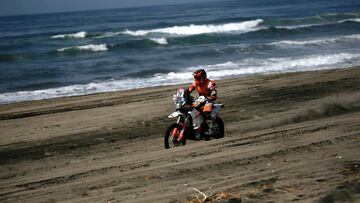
205 88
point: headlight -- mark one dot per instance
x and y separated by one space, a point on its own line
183 102
179 102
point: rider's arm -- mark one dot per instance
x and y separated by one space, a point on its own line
213 91
213 95
192 87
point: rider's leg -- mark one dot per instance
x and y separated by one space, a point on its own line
207 114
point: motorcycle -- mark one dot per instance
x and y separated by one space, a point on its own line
190 121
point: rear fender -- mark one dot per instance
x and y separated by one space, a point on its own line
216 110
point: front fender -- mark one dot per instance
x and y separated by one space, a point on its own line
175 114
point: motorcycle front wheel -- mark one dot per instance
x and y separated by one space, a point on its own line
171 139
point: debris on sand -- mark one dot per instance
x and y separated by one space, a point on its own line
223 197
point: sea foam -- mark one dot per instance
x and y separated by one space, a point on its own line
81 34
341 39
278 65
161 41
240 27
216 71
90 47
351 20
192 29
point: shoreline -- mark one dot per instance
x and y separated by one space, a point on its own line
289 136
140 90
4 102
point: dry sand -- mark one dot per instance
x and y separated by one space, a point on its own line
291 137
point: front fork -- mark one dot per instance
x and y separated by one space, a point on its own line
178 119
183 128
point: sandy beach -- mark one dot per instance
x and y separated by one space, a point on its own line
292 137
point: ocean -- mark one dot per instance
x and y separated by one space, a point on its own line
78 53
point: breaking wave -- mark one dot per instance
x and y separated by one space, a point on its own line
353 20
293 27
278 65
81 34
217 71
192 29
161 41
341 39
90 48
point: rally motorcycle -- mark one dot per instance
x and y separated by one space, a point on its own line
191 123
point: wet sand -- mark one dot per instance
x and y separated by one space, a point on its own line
291 137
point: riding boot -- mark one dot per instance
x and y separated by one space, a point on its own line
206 136
207 115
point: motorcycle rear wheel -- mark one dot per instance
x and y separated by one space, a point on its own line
171 141
219 128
